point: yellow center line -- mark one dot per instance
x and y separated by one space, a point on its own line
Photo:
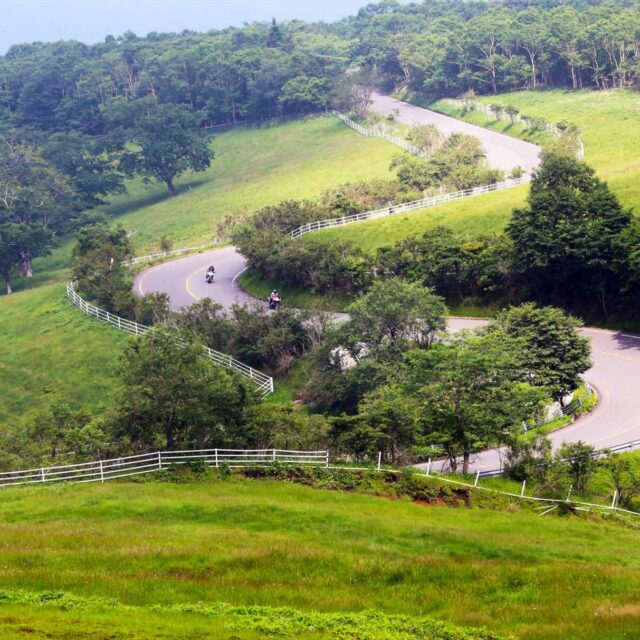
617 355
188 281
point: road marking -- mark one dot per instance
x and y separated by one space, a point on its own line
617 355
233 282
188 280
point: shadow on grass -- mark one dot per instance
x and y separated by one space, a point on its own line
151 197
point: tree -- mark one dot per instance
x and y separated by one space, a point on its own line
395 314
393 418
175 397
161 141
576 460
625 475
35 203
97 266
568 239
470 394
552 352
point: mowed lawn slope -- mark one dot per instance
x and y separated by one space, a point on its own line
252 169
51 350
265 543
611 135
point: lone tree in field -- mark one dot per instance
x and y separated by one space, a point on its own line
35 202
160 141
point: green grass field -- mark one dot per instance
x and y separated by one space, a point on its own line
607 120
264 543
51 351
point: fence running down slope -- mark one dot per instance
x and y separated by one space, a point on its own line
263 382
101 470
423 203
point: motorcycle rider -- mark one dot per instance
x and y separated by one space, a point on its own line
274 299
210 272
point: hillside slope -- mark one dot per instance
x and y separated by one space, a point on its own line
607 120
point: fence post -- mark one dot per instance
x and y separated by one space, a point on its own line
379 460
326 459
429 466
216 458
159 460
615 497
273 455
569 494
101 472
42 473
475 482
524 484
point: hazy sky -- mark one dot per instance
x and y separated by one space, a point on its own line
91 20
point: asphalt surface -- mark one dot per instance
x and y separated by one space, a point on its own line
616 355
503 152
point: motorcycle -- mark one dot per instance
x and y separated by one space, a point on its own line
274 302
209 277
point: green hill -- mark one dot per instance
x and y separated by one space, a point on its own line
264 543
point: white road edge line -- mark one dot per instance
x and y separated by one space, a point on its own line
235 278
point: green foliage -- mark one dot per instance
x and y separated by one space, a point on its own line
173 396
554 354
577 462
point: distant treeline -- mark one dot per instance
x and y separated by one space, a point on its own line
262 70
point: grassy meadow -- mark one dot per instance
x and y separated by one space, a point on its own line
263 543
52 351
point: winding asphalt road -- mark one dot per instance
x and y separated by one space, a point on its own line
616 355
503 152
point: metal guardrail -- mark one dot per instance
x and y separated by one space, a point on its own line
374 133
114 468
166 254
516 117
423 203
263 382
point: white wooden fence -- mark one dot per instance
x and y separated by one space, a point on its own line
263 382
166 254
516 117
111 469
392 210
374 133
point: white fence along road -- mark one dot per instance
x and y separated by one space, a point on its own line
263 382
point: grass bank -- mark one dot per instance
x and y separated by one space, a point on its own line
265 543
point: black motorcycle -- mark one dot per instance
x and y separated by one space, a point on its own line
274 302
209 277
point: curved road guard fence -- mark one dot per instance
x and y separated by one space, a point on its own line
261 380
373 133
165 254
516 117
101 470
424 203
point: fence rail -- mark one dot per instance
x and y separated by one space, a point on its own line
374 133
166 254
263 382
423 203
516 117
114 468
